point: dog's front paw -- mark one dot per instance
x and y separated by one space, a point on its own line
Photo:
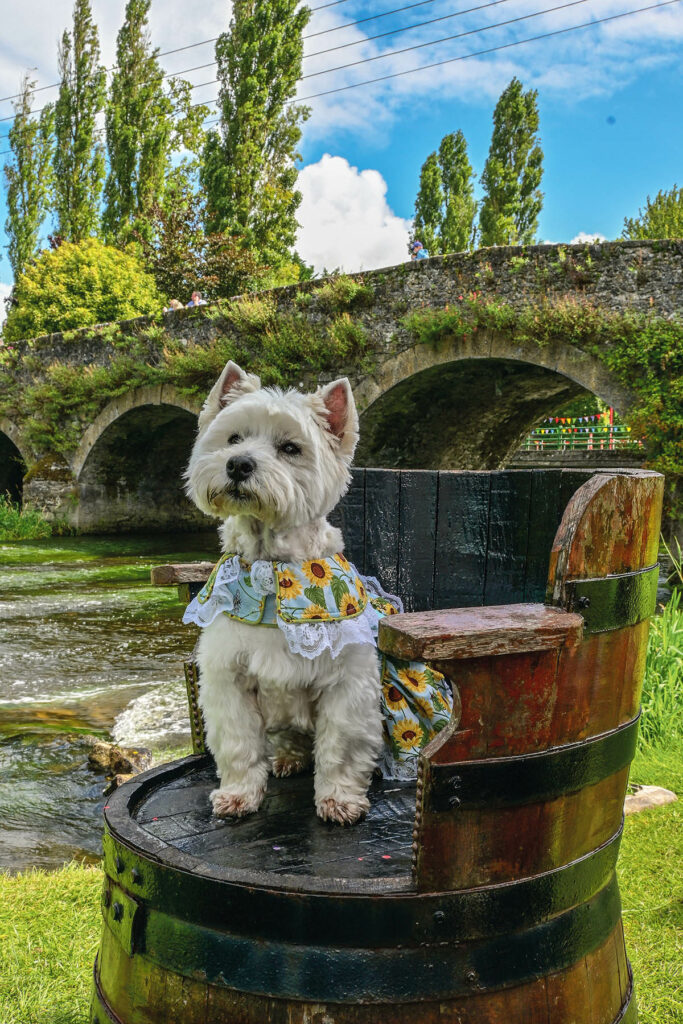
285 765
229 804
343 812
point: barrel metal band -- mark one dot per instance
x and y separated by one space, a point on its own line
611 602
100 1012
531 778
348 975
346 920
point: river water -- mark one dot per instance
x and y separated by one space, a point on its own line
87 645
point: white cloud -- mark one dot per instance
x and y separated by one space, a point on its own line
587 239
346 221
5 289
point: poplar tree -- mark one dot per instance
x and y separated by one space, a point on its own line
445 206
145 123
248 170
457 223
428 205
79 158
514 168
28 177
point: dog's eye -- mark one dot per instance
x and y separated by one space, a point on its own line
290 448
234 439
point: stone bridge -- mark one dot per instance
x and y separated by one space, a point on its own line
463 398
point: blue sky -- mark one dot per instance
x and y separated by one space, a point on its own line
610 100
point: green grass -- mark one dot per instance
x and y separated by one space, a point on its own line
21 524
662 697
49 931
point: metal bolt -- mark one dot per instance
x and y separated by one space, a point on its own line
584 602
439 917
136 876
471 977
118 864
455 781
117 911
454 801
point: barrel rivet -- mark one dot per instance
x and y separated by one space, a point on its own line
118 864
454 801
584 602
117 911
439 917
471 977
136 876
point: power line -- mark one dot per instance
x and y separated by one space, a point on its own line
452 60
213 39
481 53
445 39
372 17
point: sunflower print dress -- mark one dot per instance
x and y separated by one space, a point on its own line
324 604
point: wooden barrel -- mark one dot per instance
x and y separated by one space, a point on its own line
218 922
485 894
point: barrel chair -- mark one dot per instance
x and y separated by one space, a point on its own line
486 892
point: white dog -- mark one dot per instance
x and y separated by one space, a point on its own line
272 464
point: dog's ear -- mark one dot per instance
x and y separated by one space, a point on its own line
340 414
232 384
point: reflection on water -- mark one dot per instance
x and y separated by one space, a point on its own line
86 645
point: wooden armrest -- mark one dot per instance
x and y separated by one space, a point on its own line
185 572
478 632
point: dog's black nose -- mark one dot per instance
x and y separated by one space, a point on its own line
240 467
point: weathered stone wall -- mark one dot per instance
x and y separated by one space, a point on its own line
461 403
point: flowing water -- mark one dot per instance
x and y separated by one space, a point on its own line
87 646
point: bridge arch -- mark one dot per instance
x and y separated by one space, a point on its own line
15 458
468 404
130 462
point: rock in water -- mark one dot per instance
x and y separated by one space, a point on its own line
115 760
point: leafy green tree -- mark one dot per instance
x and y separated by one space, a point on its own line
445 206
457 223
661 218
79 284
79 165
248 170
182 258
513 172
145 123
28 177
429 205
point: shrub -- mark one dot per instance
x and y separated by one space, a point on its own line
21 524
77 285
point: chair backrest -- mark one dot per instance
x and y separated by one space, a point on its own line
532 773
454 539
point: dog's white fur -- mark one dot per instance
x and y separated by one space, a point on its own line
261 703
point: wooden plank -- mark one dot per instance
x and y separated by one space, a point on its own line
478 632
545 512
461 539
416 537
351 519
382 488
487 846
183 572
610 526
508 535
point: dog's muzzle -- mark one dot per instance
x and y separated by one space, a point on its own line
239 467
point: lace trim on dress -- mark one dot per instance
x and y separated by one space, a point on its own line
221 599
311 639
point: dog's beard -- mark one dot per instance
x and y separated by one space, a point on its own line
234 499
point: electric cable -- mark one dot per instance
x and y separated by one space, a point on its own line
213 39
